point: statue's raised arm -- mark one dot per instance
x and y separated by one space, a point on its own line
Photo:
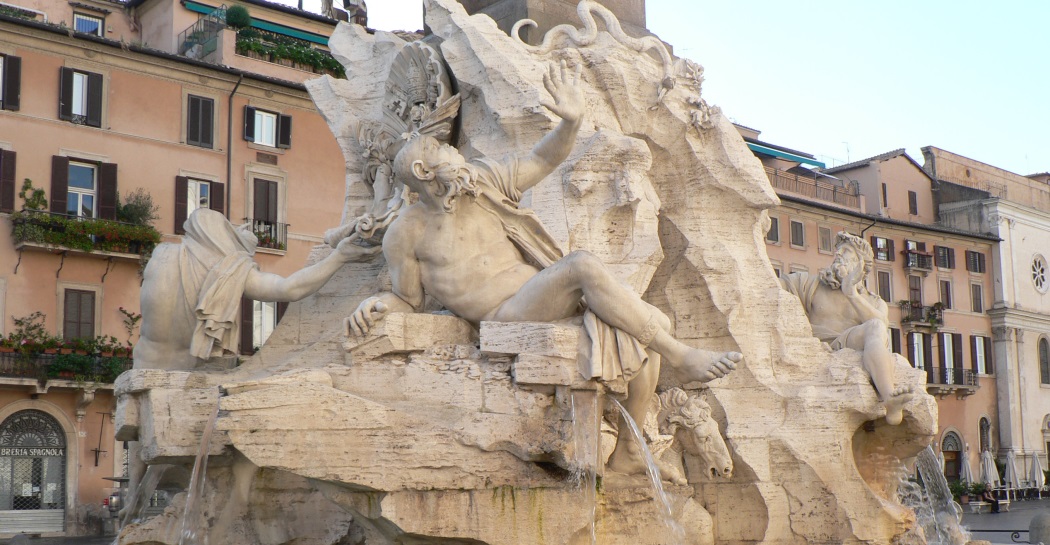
568 104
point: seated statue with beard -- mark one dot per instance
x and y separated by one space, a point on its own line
845 314
468 245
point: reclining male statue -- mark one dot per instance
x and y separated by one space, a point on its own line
845 314
466 243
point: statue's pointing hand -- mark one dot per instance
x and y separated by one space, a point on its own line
365 317
565 90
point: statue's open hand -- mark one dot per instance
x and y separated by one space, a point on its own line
354 253
564 89
365 317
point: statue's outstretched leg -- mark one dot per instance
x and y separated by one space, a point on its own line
554 292
870 338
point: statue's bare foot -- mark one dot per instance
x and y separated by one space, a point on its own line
705 365
901 396
627 458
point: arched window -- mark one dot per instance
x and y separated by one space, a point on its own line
33 469
986 434
1044 361
951 448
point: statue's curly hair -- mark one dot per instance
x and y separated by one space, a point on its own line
457 179
860 246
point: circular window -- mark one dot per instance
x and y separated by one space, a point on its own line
1039 273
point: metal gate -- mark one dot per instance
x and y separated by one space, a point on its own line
32 474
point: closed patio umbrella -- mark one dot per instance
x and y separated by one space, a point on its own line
989 474
965 473
1011 479
1035 476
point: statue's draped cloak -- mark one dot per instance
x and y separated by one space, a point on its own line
611 353
215 261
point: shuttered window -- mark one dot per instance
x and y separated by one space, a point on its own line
10 82
975 261
191 194
267 128
200 115
883 248
80 97
981 354
78 314
773 235
265 201
83 188
944 256
7 181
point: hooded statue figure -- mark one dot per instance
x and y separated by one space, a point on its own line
191 292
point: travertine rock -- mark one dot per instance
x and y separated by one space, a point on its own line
428 432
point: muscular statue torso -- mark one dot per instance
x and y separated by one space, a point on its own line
464 259
831 309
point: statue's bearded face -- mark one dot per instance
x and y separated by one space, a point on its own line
436 171
846 262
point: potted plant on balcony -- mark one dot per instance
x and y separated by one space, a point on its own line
107 345
7 345
50 344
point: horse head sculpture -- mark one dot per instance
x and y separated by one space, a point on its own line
688 419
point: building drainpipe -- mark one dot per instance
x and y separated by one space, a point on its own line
229 146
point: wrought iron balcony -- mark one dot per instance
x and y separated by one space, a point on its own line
271 235
917 260
916 314
51 230
73 367
947 380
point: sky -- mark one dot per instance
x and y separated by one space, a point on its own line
849 79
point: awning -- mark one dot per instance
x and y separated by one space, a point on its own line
758 148
264 25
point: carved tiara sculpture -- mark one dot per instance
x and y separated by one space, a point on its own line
417 101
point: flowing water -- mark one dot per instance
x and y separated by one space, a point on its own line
139 501
191 525
677 532
935 510
587 454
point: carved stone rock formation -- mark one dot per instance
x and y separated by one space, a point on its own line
432 431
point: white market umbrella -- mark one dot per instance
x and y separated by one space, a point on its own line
1011 479
965 473
940 459
1035 477
989 474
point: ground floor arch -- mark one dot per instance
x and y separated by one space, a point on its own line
33 459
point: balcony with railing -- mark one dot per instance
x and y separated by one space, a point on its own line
918 315
62 233
917 261
271 235
76 369
948 380
814 188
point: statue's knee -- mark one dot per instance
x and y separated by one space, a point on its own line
585 264
876 327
